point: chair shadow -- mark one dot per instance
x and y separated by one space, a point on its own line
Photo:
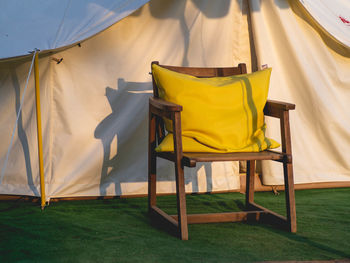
304 240
192 177
276 229
125 143
118 151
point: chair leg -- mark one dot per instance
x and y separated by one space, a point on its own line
152 182
152 162
250 178
290 196
181 201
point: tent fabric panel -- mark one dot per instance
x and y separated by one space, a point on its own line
96 101
305 71
22 171
107 119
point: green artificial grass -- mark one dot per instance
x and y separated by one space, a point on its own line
119 230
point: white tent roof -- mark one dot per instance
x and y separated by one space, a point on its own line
62 23
333 16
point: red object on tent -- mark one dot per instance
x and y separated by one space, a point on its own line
344 21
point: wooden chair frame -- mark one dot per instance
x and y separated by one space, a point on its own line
159 109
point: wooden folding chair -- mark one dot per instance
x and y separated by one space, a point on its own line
159 109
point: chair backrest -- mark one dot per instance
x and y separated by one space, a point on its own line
202 72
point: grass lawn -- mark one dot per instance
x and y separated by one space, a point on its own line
119 230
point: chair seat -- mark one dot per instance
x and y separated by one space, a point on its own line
190 159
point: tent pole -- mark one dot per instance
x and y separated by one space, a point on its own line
38 121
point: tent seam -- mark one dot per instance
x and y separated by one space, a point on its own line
50 169
61 24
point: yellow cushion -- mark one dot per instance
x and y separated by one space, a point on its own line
220 114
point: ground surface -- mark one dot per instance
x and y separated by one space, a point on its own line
119 230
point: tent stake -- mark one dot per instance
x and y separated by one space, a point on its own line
40 140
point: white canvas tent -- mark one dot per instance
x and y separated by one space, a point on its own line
94 103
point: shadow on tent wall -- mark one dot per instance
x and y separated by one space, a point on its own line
22 134
180 6
125 145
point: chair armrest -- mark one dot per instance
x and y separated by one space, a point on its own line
276 108
161 108
163 105
280 105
